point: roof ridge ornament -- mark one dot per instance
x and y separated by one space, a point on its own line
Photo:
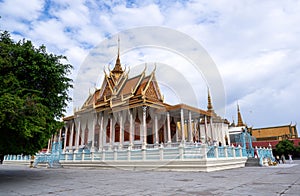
117 70
144 71
153 71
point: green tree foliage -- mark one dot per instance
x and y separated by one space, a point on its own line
33 94
285 147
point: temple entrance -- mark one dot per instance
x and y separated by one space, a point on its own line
96 136
117 132
173 131
126 131
150 136
137 125
108 132
161 136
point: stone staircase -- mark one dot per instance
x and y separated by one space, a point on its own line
252 162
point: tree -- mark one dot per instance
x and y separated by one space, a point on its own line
33 94
285 147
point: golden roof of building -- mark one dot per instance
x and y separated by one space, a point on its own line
275 131
121 91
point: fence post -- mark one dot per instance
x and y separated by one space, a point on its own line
241 151
74 155
115 154
225 151
129 154
92 154
216 152
161 152
180 148
144 153
103 154
233 151
82 155
204 150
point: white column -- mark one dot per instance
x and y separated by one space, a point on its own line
168 128
195 130
104 126
182 125
101 132
65 139
144 127
77 137
59 136
131 127
205 128
156 129
190 127
110 131
71 137
228 138
211 129
199 126
223 134
82 135
121 130
93 132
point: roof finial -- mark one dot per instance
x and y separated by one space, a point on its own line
154 67
118 46
117 71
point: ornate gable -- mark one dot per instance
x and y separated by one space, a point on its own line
151 89
151 92
156 88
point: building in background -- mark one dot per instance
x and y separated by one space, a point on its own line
264 136
270 136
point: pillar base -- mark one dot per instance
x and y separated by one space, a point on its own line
169 144
121 146
144 146
92 149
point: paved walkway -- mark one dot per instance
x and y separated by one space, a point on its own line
278 180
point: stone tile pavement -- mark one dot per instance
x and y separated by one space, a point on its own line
277 180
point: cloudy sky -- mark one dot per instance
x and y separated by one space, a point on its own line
254 44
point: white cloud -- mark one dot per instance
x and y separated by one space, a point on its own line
75 14
19 9
51 31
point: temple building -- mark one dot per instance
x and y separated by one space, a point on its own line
264 136
130 113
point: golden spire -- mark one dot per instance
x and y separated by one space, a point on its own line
209 104
117 71
210 108
240 120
